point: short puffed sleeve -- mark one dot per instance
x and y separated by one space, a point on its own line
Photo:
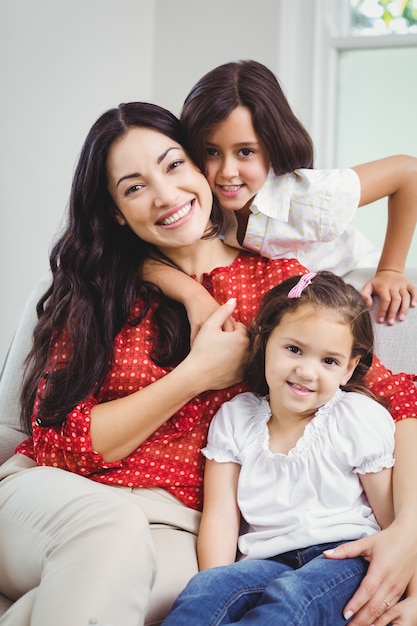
362 433
231 427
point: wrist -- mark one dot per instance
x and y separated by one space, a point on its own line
389 269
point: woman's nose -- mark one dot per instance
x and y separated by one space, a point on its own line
166 193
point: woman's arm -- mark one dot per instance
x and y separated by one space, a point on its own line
215 361
392 553
396 178
220 520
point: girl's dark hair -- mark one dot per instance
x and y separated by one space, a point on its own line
252 85
96 278
326 292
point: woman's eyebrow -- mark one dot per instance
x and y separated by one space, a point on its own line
159 161
163 155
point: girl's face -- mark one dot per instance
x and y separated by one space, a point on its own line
237 162
308 356
157 189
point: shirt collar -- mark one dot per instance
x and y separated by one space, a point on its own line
274 198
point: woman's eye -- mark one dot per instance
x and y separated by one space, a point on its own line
133 188
175 164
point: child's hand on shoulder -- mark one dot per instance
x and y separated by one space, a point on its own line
396 295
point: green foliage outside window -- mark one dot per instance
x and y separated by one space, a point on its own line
384 16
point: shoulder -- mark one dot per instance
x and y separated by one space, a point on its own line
311 178
355 413
262 266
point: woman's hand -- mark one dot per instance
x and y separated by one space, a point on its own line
396 295
219 357
391 568
404 613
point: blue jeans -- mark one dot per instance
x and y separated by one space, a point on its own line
298 587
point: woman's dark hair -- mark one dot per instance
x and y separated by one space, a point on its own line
325 292
252 85
96 278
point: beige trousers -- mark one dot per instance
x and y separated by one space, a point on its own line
74 551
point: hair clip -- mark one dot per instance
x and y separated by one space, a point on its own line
304 281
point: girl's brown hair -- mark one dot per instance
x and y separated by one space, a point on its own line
252 85
326 292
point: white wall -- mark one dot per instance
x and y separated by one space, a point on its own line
61 65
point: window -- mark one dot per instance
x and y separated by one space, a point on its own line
382 17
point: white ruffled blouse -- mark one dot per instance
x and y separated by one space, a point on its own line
313 494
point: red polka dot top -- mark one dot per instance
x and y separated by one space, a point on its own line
170 458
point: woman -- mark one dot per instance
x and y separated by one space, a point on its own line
114 394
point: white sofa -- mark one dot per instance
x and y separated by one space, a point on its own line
396 346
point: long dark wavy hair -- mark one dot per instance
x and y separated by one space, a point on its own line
252 85
95 268
327 292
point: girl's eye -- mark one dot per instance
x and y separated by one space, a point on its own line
330 361
293 349
211 152
246 152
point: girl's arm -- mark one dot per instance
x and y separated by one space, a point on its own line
392 553
396 178
215 361
378 489
220 520
178 286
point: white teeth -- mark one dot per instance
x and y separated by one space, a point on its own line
231 187
177 216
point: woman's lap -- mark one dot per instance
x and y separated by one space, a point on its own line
64 528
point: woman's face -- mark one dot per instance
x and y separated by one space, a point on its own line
157 189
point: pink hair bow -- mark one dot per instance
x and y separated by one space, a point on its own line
304 281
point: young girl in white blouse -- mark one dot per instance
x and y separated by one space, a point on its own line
304 461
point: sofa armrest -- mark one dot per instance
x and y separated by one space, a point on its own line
394 345
11 433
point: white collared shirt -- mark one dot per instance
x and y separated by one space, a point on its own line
306 215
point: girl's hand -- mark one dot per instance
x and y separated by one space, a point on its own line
396 295
391 568
199 310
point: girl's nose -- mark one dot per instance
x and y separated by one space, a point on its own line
229 167
306 370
